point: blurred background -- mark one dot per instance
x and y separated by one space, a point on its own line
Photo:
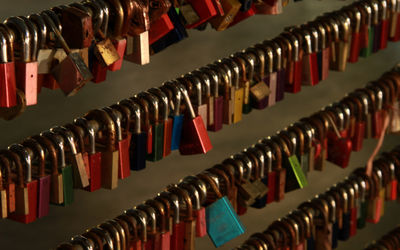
201 48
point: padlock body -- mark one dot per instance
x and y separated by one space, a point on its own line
158 143
205 9
26 80
201 225
95 172
355 47
120 46
68 185
176 132
44 196
230 8
178 232
218 114
8 89
124 159
168 125
10 190
30 213
109 167
195 139
160 28
139 49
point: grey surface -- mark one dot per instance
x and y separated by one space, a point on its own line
201 48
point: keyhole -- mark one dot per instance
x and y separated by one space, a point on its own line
87 33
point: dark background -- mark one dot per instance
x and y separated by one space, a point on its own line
199 49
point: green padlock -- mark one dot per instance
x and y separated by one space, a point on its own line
158 126
66 170
367 11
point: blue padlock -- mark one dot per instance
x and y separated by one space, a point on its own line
175 97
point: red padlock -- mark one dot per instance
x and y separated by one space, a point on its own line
8 91
383 15
360 126
26 67
297 61
160 28
118 40
205 9
394 34
178 226
355 46
242 15
162 239
195 139
310 66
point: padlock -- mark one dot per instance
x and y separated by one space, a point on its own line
230 8
66 170
355 14
195 139
360 127
280 79
79 134
91 128
236 65
186 215
113 234
376 202
339 147
165 119
278 171
44 180
177 34
8 186
207 98
145 121
226 90
81 179
161 24
194 86
122 143
205 10
139 220
163 237
246 81
72 73
26 189
151 219
394 10
177 118
157 126
367 30
178 226
242 15
105 235
138 142
270 178
295 71
310 67
355 206
215 119
259 92
325 49
376 23
109 153
344 231
26 66
271 75
341 44
219 210
117 37
8 92
77 27
199 212
138 25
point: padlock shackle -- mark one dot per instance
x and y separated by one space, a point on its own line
68 137
107 124
214 80
36 152
141 218
116 116
56 32
5 169
58 141
163 99
42 31
34 33
160 214
174 203
3 48
135 113
151 217
97 14
187 100
205 82
24 35
25 159
176 96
